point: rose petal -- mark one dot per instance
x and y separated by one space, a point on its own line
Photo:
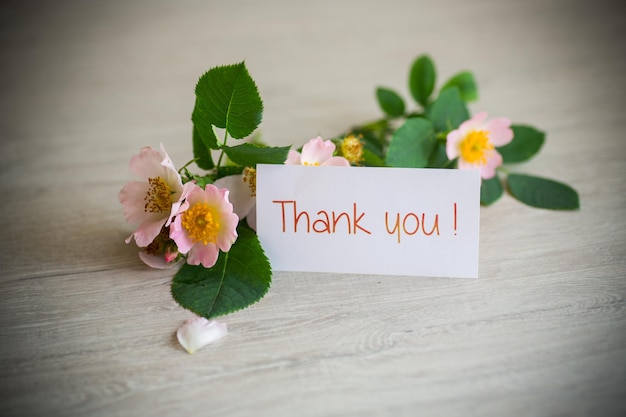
132 197
157 262
240 194
178 235
150 229
500 132
293 158
475 123
203 254
197 332
180 205
336 161
316 151
452 144
494 160
146 163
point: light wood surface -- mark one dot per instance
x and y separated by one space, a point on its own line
87 330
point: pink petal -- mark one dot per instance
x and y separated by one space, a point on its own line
316 151
197 332
217 197
475 123
145 234
500 132
452 143
463 164
167 161
157 262
132 198
240 194
494 160
181 204
179 236
293 158
147 163
336 161
205 255
228 231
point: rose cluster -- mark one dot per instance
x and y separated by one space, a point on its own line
180 220
183 220
175 219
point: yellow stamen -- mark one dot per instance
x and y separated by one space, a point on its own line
201 223
249 177
158 197
352 149
313 164
474 146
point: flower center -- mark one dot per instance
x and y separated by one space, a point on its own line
159 196
352 149
249 177
201 223
474 146
311 164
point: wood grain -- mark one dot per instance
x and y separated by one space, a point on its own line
87 330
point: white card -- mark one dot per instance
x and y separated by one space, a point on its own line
391 221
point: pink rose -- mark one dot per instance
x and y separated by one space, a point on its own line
474 143
204 224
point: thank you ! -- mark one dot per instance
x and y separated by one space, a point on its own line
390 221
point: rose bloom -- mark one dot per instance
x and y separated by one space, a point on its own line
204 224
474 143
149 202
316 152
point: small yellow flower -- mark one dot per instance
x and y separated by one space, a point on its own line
352 149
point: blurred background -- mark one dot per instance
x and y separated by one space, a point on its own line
85 84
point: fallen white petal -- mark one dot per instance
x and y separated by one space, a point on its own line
197 332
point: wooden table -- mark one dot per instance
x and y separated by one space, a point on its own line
88 330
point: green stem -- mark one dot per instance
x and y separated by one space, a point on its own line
503 170
187 164
441 136
450 163
219 160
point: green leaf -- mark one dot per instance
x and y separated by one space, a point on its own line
390 102
202 127
201 152
448 111
439 157
241 277
466 84
203 180
411 144
490 191
542 193
371 159
249 154
422 79
229 98
527 141
226 170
